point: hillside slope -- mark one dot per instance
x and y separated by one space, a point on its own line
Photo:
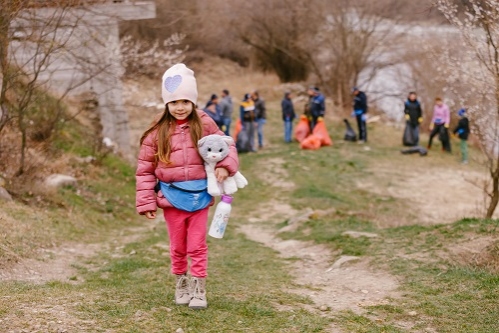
349 238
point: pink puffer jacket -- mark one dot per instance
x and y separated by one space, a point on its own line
186 164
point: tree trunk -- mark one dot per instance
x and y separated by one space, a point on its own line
22 160
494 198
4 67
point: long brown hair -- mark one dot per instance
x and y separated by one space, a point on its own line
166 127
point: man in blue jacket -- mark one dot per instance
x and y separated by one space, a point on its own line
316 107
360 110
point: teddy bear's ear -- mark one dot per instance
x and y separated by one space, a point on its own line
228 140
202 141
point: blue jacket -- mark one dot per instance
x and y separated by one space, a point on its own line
360 103
318 105
216 116
288 111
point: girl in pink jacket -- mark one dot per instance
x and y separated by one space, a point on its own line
171 175
440 124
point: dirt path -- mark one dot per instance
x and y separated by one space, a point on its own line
430 191
347 284
58 264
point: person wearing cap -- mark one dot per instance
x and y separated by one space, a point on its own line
213 110
316 107
360 112
288 115
260 115
413 115
169 159
463 131
440 124
226 109
247 114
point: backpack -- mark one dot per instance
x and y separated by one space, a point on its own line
243 144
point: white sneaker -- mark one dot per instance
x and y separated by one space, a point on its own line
198 293
182 292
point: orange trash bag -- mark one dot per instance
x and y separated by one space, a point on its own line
312 142
238 128
320 131
302 130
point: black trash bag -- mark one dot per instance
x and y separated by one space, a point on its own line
350 134
243 144
415 150
408 138
443 135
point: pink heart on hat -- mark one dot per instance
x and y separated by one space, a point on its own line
172 83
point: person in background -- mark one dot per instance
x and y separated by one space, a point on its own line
260 115
316 107
247 114
213 110
440 123
226 109
360 112
463 131
288 115
413 115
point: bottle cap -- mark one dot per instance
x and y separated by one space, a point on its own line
227 198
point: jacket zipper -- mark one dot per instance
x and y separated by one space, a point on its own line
184 148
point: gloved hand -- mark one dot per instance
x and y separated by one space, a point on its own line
364 117
320 119
407 117
420 120
223 128
446 125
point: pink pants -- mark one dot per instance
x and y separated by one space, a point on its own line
187 231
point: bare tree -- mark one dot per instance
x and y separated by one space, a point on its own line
54 47
474 77
275 32
355 42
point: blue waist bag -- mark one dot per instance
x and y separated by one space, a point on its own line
190 196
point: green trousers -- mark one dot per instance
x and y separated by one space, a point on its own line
464 150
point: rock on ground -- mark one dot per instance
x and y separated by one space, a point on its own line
4 195
58 180
341 261
358 234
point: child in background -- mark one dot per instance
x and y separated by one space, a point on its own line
462 131
440 123
169 154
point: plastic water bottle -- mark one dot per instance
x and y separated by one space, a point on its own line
221 217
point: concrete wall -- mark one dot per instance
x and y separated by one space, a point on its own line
75 51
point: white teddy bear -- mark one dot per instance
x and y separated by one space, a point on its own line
214 148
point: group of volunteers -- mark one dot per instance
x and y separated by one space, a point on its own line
252 115
169 159
439 124
315 109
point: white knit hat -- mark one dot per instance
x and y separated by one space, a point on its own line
179 83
